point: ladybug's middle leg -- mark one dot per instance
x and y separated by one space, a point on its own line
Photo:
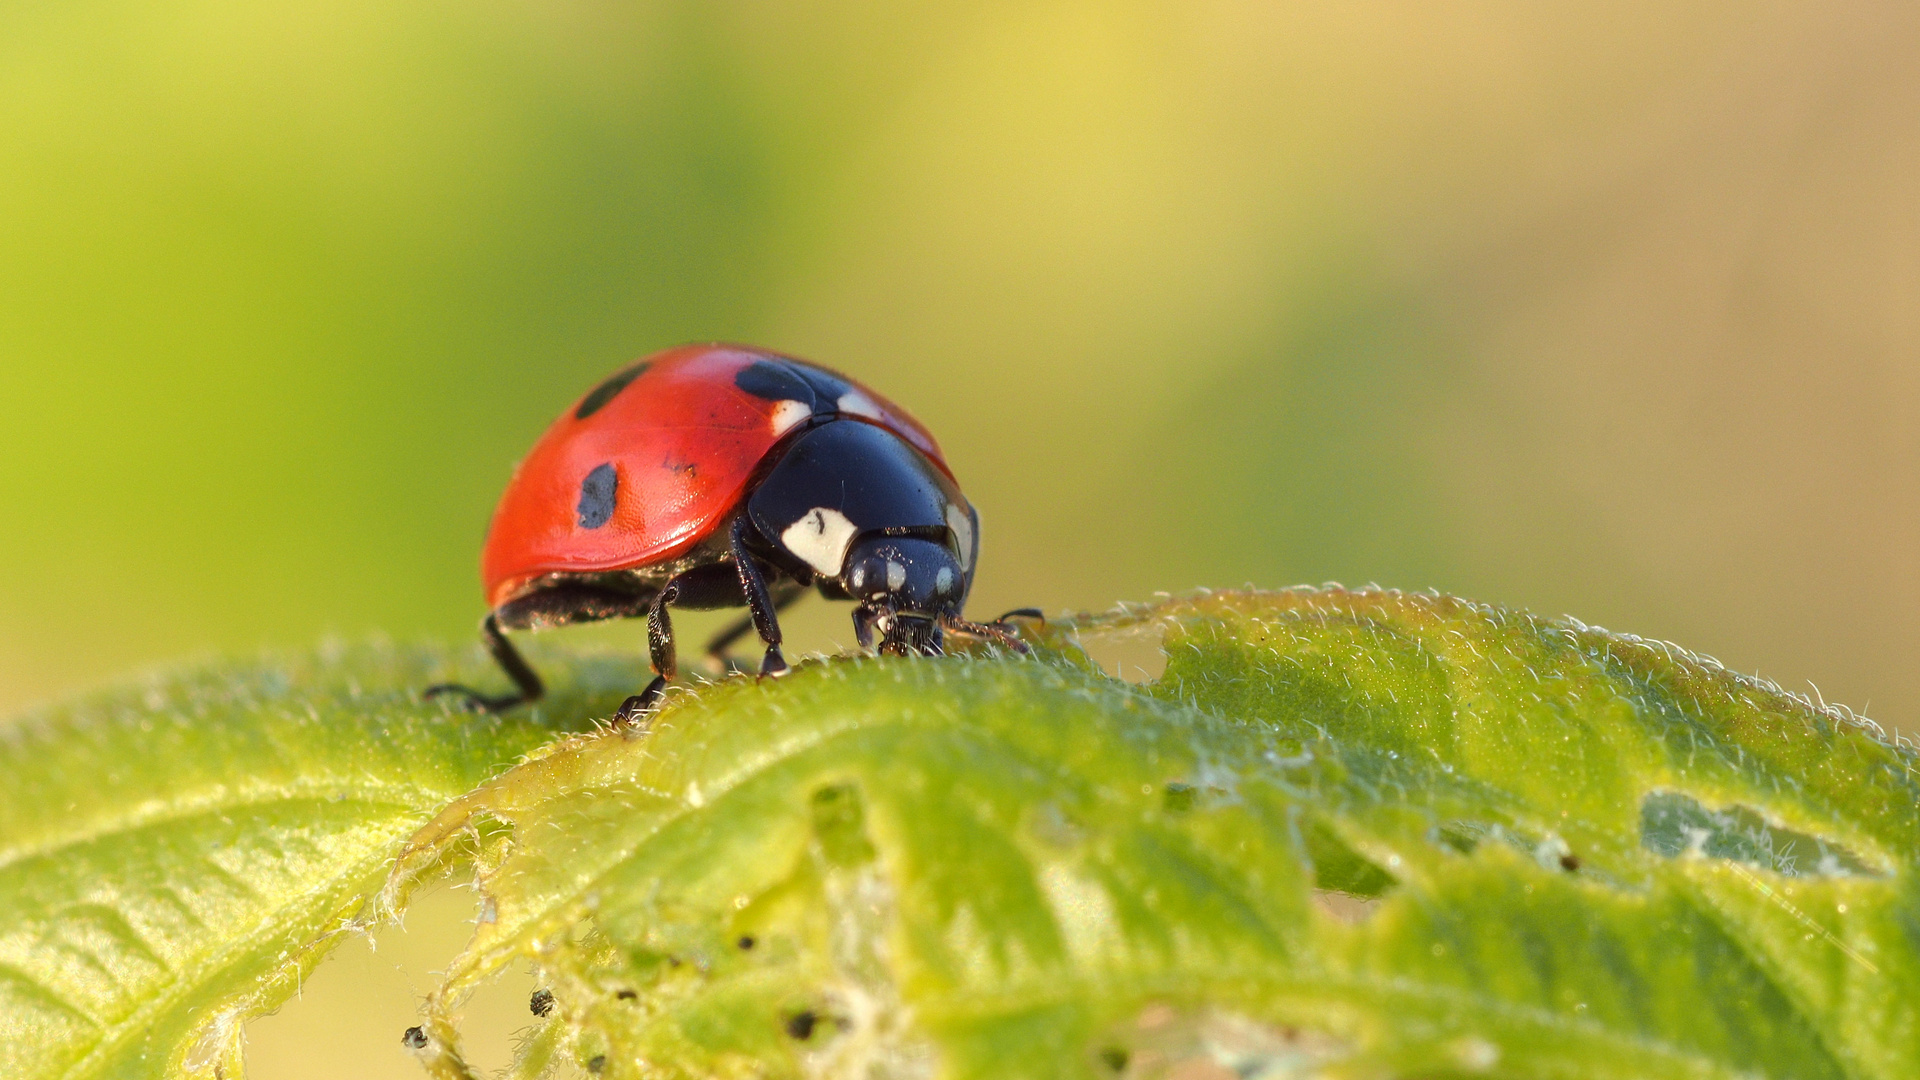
711 585
659 650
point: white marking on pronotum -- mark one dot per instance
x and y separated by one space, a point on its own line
820 538
896 575
962 526
943 581
855 403
787 414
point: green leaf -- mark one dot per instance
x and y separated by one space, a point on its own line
1345 834
175 855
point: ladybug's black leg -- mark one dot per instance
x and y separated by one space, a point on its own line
784 595
510 662
753 582
659 649
708 586
863 619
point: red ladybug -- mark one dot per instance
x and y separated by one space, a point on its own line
711 476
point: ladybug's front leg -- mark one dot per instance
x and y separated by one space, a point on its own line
760 605
784 594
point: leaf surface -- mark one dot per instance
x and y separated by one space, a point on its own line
176 854
1354 834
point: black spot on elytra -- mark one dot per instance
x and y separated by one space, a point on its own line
627 995
800 1024
774 382
413 1039
541 1003
596 495
745 942
1569 863
826 385
608 390
596 1063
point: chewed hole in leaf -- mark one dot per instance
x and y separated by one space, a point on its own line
1167 1044
1180 797
1338 868
1345 907
840 825
1675 824
1135 653
1461 837
1055 826
1465 837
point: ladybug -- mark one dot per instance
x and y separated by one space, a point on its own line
715 476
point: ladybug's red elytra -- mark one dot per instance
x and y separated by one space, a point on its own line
714 476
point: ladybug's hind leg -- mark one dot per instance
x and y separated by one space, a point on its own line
510 661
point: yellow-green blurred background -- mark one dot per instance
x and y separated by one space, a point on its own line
1603 309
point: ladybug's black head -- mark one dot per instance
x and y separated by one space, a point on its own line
905 587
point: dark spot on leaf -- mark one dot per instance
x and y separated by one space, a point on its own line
746 941
413 1039
627 995
1114 1058
774 382
541 1003
1179 798
596 495
608 390
1569 863
596 1063
800 1024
